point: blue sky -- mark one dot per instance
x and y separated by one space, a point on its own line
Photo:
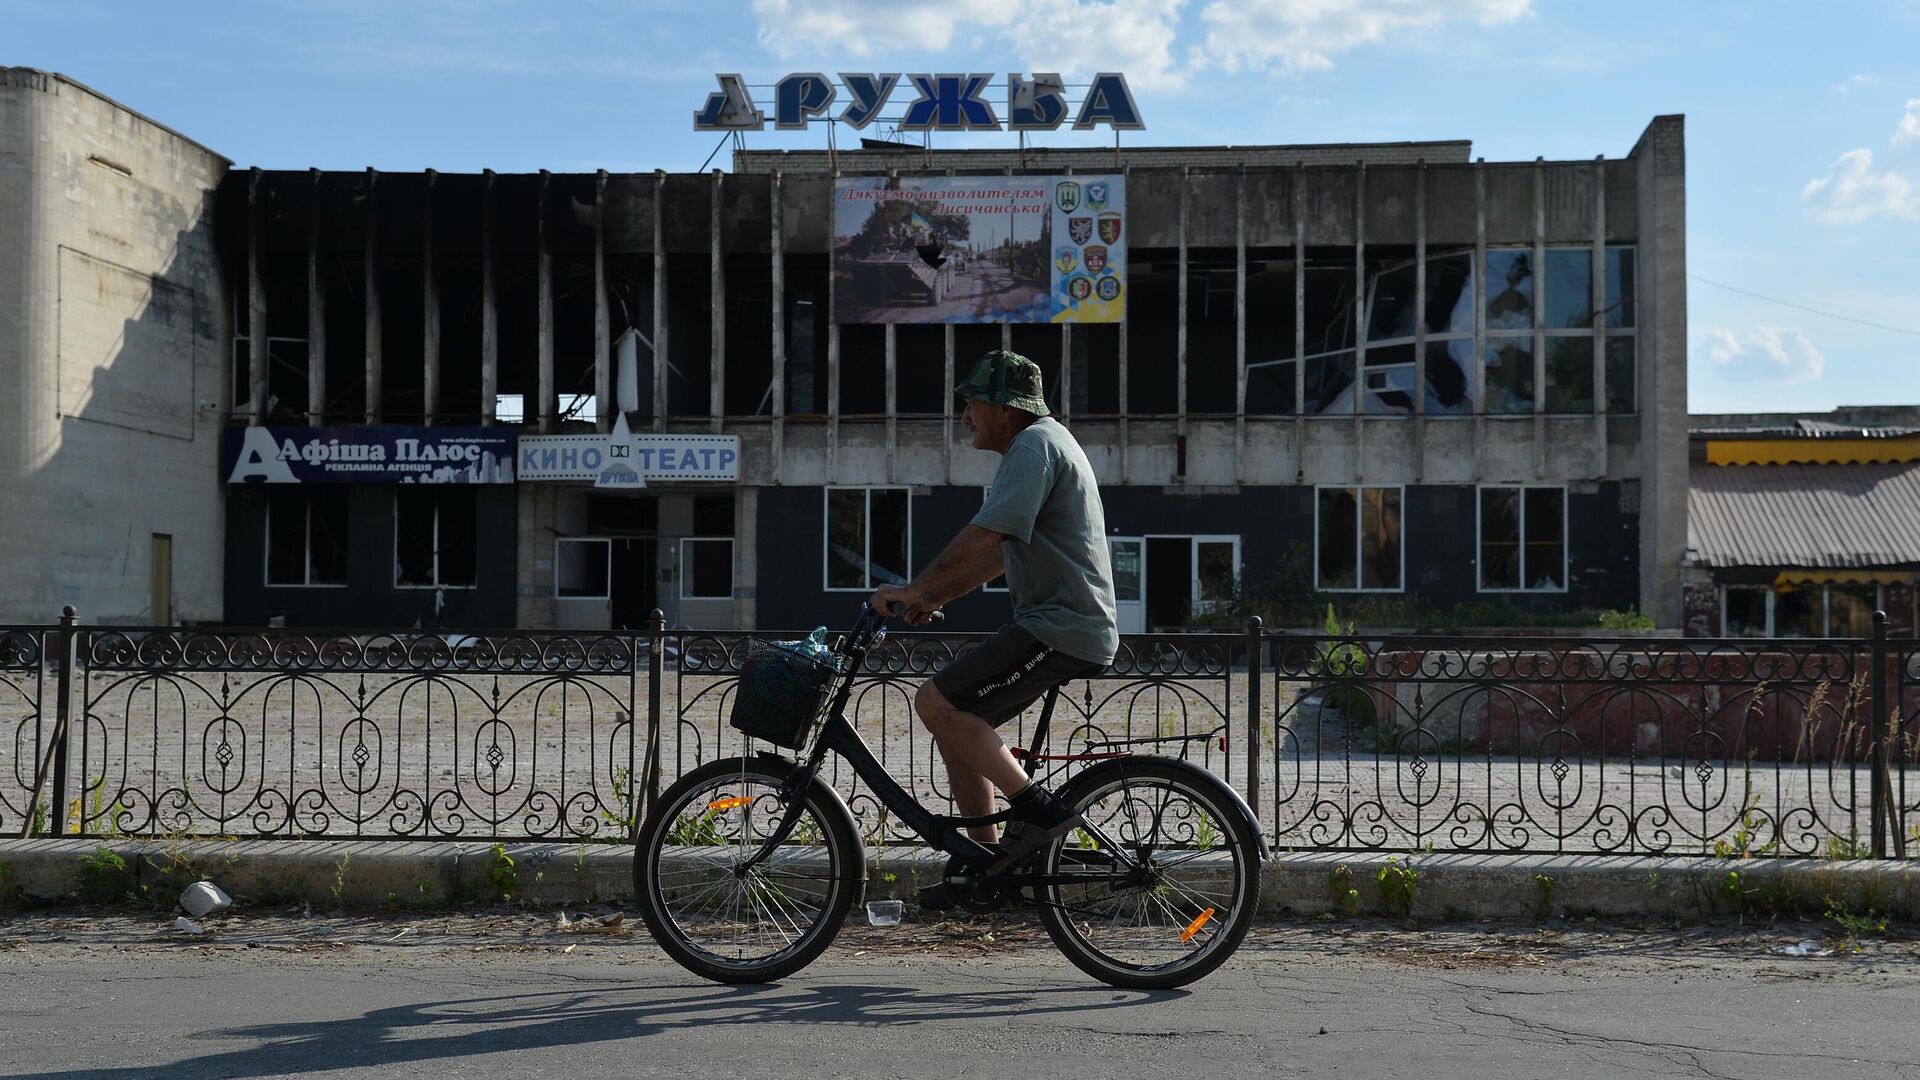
1803 121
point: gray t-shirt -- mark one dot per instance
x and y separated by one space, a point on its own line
1045 501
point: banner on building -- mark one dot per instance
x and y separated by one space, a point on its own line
367 455
621 459
980 249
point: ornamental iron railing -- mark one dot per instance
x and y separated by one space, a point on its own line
1370 742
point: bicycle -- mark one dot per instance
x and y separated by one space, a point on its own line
746 868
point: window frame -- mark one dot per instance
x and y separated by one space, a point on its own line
1359 537
606 544
306 563
1566 538
866 564
686 575
393 553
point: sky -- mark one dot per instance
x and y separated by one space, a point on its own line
1803 121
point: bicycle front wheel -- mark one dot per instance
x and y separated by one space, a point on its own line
1172 874
722 919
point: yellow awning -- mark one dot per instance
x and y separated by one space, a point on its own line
1791 579
1829 451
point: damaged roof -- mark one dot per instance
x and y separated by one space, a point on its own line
1825 516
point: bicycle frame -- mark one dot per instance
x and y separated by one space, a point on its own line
943 832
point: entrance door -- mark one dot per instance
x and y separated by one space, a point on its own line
631 595
160 580
1128 555
1216 571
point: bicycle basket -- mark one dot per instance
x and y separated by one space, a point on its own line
780 693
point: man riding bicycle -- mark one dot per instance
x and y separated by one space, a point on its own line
1043 527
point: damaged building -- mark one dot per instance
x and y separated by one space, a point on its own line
1406 370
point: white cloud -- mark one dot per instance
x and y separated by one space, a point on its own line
1073 37
1775 354
1305 35
1909 127
1853 191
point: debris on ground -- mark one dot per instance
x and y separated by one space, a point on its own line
188 925
203 898
1804 948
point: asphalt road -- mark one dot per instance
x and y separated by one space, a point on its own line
510 994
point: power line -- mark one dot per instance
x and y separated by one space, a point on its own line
1803 307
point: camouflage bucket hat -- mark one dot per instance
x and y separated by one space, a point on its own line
1006 378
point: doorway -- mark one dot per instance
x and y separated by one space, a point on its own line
632 586
1188 576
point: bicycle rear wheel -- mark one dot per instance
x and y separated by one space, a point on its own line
1183 911
721 919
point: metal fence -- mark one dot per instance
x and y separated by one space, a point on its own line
1390 743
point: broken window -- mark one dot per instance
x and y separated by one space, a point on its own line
581 569
1570 374
1329 355
1449 314
863 369
1509 375
1153 331
1212 349
1096 368
1618 301
435 541
920 364
1523 539
706 568
867 534
1509 290
1357 534
1272 389
806 289
307 536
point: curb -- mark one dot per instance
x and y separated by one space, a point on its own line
429 874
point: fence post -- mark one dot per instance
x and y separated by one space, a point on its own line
62 726
1256 643
656 675
1876 718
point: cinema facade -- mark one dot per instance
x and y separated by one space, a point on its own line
1409 371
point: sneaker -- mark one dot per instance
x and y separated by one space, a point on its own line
1039 817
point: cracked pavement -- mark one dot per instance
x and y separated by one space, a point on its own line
509 993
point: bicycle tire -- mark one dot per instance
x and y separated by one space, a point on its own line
763 896
1214 833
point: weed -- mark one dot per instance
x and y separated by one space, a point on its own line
340 876
1543 885
1397 884
623 822
1733 890
425 889
1873 924
39 820
1847 847
1345 899
393 900
701 831
103 876
9 889
1205 832
502 874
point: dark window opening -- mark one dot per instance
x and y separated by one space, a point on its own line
867 536
690 342
630 324
1152 329
706 567
971 341
1212 348
1359 538
402 339
307 536
1096 368
1329 358
1272 388
749 336
622 514
806 289
573 338
1523 539
435 543
920 370
863 370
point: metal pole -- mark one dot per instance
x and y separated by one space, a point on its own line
1255 643
656 675
1879 789
63 711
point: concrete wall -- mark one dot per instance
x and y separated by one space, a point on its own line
113 331
1662 162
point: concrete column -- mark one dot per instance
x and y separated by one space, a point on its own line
489 310
605 407
660 301
717 368
778 244
1299 323
376 383
946 401
1597 299
833 370
893 403
256 311
1240 327
746 558
1661 323
1126 405
1420 323
316 306
430 297
544 264
1477 377
1180 340
1539 318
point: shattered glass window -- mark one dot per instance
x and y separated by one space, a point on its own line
1509 375
1621 373
1619 297
1570 374
1449 379
1510 290
1388 379
1569 298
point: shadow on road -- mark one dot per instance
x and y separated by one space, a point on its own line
466 1027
